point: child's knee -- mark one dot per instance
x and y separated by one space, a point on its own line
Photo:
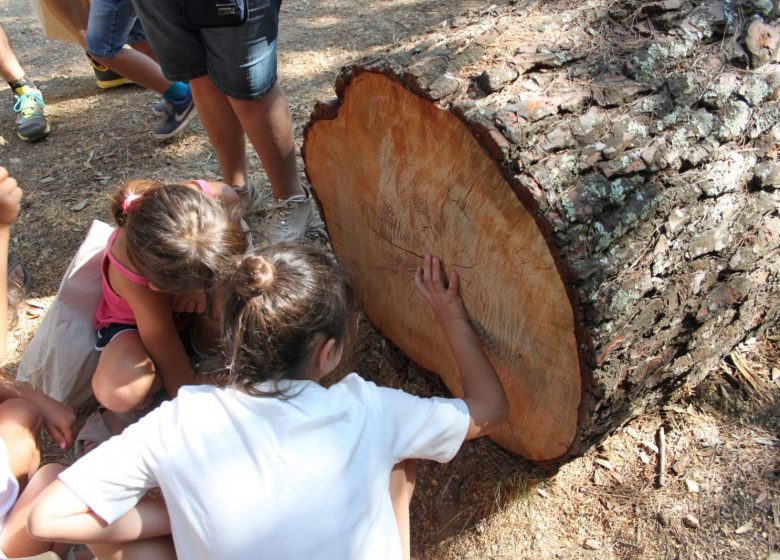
118 398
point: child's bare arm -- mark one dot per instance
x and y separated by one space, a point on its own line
10 197
60 515
483 392
156 327
58 418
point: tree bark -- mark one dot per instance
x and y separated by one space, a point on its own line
614 218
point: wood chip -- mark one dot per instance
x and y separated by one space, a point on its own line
650 446
604 463
761 498
542 493
681 465
692 486
744 528
79 206
592 544
765 441
600 478
690 521
776 514
644 457
46 180
632 432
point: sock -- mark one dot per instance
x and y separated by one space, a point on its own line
23 81
179 91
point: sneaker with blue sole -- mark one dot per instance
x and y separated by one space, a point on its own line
176 115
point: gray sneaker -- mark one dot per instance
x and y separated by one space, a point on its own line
175 118
31 124
291 218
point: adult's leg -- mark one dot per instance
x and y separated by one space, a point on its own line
402 481
14 539
223 129
268 123
125 376
10 68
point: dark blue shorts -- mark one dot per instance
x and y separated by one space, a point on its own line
106 334
241 61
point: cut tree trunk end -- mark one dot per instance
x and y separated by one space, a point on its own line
605 178
397 178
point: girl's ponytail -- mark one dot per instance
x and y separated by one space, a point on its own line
129 196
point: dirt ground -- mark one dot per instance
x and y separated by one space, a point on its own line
721 496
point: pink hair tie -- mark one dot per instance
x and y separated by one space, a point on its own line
129 199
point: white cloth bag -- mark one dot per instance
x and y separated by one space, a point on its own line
61 357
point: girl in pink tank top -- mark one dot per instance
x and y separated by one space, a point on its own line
163 259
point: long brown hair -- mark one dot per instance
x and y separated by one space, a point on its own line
176 236
280 298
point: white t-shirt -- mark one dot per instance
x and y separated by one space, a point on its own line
9 486
248 477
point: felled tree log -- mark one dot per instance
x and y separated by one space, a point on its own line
611 205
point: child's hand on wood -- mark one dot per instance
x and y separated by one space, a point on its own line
443 300
10 197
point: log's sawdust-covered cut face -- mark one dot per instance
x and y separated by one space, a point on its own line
397 178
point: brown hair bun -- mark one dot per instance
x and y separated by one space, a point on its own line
255 275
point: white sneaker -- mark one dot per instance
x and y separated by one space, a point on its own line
291 218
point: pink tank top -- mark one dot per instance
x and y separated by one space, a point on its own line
113 308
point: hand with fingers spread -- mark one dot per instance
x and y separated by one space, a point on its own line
443 300
483 392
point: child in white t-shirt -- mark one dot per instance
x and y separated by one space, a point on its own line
275 465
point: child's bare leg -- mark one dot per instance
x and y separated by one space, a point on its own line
125 376
402 480
159 548
142 533
14 539
20 424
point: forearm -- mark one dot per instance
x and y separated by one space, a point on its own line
61 516
172 364
482 389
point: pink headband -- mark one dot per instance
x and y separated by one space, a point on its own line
129 199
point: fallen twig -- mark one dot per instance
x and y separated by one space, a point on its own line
661 457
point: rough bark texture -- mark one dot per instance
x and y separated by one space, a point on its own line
643 139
